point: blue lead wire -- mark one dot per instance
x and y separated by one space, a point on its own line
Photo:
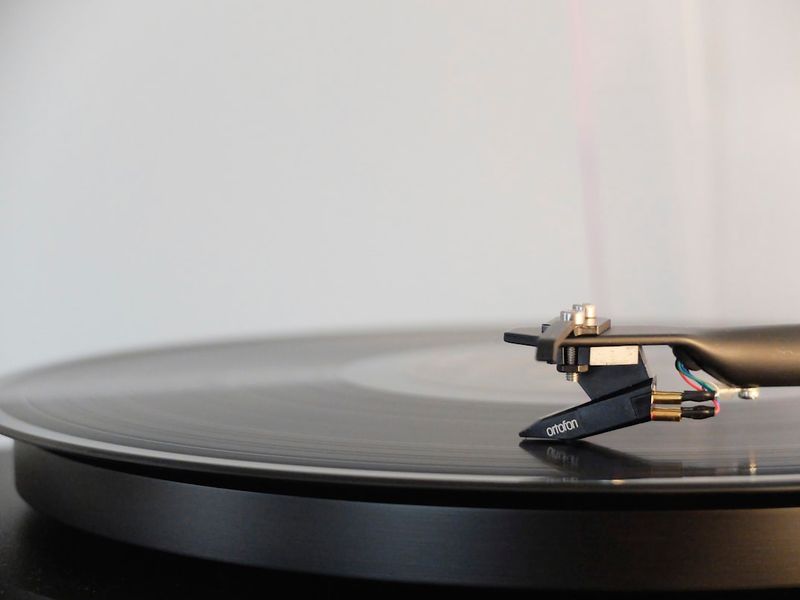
682 368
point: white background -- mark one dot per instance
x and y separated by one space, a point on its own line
187 170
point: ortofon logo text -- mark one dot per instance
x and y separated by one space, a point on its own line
562 427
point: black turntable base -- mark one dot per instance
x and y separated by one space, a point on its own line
396 458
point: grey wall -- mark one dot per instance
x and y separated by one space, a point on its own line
184 170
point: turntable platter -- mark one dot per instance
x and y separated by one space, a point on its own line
396 456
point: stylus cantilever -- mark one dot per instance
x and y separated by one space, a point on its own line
608 363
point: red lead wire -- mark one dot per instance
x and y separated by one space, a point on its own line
690 382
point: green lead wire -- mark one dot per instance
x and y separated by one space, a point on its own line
682 368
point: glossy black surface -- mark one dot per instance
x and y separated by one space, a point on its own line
543 546
428 409
41 558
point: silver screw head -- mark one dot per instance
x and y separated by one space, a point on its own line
749 393
566 315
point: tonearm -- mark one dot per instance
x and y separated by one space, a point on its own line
609 365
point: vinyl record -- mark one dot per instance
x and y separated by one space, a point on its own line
417 409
